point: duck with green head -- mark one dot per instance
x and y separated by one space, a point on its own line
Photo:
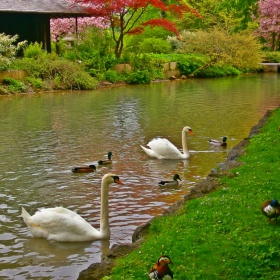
107 161
222 143
173 183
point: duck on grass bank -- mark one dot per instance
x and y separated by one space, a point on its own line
162 148
161 270
271 209
173 183
218 143
107 161
61 224
83 169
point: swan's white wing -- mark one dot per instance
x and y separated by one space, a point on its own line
165 149
150 153
60 224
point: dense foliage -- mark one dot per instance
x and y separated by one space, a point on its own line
126 17
240 50
8 49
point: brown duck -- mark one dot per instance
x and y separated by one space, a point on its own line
83 169
161 270
271 209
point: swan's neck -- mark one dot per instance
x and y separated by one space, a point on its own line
184 143
104 217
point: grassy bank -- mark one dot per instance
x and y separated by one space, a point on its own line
222 235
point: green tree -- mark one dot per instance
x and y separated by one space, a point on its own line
241 50
241 10
126 16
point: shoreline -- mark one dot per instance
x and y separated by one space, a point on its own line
98 270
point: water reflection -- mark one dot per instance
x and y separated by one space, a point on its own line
43 136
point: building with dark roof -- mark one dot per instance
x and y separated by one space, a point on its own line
30 19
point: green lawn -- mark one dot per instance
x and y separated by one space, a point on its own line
222 235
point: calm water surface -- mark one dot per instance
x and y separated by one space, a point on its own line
44 135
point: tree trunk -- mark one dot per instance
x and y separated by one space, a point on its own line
273 42
119 47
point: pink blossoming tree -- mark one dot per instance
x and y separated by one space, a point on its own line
61 27
269 22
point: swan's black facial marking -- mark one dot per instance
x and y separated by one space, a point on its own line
117 180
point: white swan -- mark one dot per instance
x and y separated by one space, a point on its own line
61 224
162 148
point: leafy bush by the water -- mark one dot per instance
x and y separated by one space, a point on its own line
34 82
111 76
139 77
240 50
215 71
71 75
14 85
271 57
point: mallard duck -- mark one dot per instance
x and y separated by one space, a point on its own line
83 169
162 148
175 182
218 143
107 161
64 225
271 209
161 270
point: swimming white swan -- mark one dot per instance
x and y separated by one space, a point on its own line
61 224
162 148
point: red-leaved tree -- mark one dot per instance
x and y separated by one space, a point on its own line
126 16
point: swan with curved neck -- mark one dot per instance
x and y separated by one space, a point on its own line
61 224
162 148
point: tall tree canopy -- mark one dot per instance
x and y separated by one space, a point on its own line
126 16
241 9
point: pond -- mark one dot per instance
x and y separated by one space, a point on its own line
43 136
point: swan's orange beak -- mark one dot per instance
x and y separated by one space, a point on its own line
118 181
191 132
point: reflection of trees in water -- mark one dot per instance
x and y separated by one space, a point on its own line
126 119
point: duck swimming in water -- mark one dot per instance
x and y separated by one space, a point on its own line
83 169
173 183
106 161
218 143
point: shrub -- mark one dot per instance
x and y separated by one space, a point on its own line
62 73
34 50
139 77
34 82
190 64
216 71
111 76
271 57
14 85
241 50
154 45
8 49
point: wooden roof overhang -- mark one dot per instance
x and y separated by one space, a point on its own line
30 19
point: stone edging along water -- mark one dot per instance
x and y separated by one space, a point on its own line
98 270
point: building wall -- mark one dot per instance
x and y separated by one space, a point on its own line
30 27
